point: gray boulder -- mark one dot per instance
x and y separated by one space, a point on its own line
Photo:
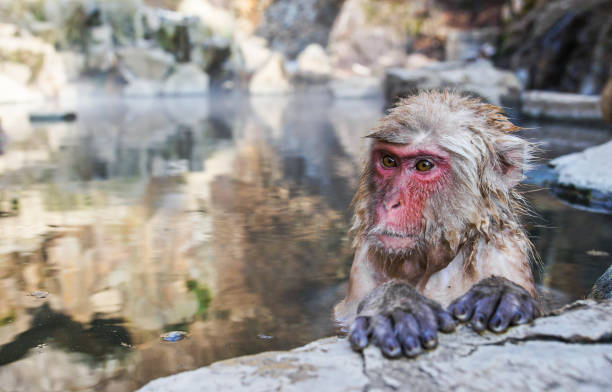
253 52
144 63
569 350
479 78
561 106
313 63
271 78
187 79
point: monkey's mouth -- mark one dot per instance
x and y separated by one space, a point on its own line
393 240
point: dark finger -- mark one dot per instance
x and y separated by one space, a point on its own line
384 337
482 312
407 332
528 310
428 326
508 307
463 306
446 322
360 331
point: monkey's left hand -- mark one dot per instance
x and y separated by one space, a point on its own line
495 303
396 317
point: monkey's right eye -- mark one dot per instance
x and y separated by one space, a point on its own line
389 162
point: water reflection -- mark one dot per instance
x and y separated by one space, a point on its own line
224 218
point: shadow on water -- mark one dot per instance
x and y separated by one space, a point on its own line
224 218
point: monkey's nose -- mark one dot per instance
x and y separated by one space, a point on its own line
393 205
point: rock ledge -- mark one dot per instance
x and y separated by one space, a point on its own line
570 349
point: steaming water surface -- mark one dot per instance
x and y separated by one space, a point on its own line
224 218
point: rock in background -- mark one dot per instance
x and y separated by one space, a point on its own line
584 177
313 64
271 78
478 78
561 45
561 106
602 289
30 67
291 25
336 45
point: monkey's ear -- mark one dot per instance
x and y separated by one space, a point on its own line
513 157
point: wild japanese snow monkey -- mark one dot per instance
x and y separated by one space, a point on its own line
436 224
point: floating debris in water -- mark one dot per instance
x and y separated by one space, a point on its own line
595 252
173 336
38 294
265 337
124 344
53 117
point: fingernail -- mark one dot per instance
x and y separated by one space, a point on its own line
478 323
392 349
429 340
460 312
496 324
412 347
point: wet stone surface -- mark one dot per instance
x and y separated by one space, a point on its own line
570 349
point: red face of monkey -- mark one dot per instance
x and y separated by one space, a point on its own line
441 168
405 177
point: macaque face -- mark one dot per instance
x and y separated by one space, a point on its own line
404 179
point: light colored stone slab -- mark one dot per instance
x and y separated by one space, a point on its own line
568 350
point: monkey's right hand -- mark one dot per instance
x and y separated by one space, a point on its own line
397 318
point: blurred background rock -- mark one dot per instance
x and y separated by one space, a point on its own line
68 48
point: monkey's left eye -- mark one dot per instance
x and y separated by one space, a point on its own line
424 165
388 161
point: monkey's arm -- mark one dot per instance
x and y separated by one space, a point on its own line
396 317
496 303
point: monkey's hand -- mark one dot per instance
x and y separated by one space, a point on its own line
397 318
495 303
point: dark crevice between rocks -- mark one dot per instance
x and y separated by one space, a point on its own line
364 370
605 339
472 351
432 378
578 305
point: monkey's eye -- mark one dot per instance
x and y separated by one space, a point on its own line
388 161
424 165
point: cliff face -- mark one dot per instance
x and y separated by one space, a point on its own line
570 350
